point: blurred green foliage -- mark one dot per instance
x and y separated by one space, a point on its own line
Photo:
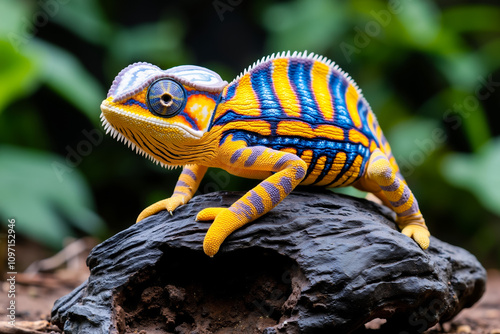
37 197
430 70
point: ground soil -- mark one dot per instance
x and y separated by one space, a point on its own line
155 309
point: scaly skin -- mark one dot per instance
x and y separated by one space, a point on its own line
288 120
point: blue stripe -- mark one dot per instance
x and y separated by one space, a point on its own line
181 183
190 173
256 152
131 102
262 84
256 201
191 122
272 191
286 183
240 208
363 111
347 164
312 164
213 96
230 116
326 168
230 91
327 148
299 73
338 87
236 155
211 123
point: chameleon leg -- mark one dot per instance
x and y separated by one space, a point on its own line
290 170
394 192
186 186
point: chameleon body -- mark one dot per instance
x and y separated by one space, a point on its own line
289 119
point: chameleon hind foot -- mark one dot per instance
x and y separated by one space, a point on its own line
417 232
208 214
225 223
384 180
169 204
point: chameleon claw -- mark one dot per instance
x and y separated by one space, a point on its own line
152 209
169 204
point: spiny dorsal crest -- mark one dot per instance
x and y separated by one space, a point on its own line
304 55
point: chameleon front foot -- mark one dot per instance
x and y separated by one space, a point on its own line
225 223
169 204
419 233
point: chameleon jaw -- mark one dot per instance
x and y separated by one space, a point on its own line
109 111
108 108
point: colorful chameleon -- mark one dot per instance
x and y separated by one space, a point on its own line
289 119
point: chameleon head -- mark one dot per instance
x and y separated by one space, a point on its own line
160 112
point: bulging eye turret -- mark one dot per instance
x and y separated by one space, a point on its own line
166 97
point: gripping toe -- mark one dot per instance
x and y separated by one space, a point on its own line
225 223
209 213
169 204
418 233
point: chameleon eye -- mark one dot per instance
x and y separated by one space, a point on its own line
165 97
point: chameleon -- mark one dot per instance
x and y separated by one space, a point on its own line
289 119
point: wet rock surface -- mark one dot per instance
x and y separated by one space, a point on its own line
317 263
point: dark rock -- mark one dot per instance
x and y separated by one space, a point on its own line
317 263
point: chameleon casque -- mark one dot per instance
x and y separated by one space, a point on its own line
288 119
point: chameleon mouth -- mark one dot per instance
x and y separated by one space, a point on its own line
108 107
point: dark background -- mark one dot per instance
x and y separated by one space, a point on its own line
429 69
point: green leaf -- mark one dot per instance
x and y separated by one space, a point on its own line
45 195
471 18
461 69
477 173
350 191
304 24
62 72
413 141
159 43
18 74
420 20
489 54
464 109
85 18
14 16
